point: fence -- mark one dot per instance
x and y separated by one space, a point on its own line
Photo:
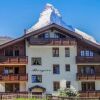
30 96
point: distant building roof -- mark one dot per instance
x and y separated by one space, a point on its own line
4 39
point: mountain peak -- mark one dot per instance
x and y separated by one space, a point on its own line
52 8
51 15
48 16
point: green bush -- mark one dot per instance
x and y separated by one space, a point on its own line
68 92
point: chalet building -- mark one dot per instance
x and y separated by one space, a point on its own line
49 56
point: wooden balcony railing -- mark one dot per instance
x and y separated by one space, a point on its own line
87 59
52 42
14 77
13 60
95 76
95 93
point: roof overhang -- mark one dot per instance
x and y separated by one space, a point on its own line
51 26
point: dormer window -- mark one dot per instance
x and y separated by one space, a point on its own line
47 35
86 53
91 53
82 53
56 35
50 35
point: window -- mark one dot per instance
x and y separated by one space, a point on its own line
67 67
8 70
36 78
91 53
56 69
11 70
55 52
86 53
68 84
12 87
36 61
82 53
88 86
56 85
9 52
16 70
89 70
47 35
16 52
56 35
67 52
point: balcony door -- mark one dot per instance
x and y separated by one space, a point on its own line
16 52
11 87
11 52
16 70
11 70
88 86
89 70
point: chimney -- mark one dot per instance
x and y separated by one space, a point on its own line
24 31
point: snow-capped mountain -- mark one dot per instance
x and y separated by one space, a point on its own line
51 15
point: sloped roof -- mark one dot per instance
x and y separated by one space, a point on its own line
47 28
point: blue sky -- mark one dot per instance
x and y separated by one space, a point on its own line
16 15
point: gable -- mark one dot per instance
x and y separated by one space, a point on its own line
52 27
51 34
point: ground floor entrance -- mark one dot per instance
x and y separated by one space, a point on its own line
37 90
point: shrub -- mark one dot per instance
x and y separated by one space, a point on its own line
68 92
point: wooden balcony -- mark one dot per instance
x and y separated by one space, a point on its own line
95 76
14 77
13 60
52 42
95 59
95 93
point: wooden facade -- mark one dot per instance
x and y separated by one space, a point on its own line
13 77
88 72
95 59
95 93
88 77
13 47
49 42
13 60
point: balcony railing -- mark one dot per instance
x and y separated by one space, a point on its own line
95 76
95 59
52 42
95 93
14 77
13 60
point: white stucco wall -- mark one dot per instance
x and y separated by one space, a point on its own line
97 85
2 87
45 52
22 86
